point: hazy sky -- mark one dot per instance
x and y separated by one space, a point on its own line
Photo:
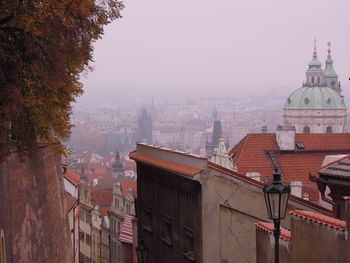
162 46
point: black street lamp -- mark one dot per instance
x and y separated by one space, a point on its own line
276 198
142 252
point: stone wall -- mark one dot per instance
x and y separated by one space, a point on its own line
32 208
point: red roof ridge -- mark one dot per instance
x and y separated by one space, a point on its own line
245 143
320 219
173 151
268 227
164 164
72 177
346 197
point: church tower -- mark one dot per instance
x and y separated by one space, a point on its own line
330 75
317 107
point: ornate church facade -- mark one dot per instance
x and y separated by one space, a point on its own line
318 106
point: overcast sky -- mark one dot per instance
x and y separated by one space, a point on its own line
163 46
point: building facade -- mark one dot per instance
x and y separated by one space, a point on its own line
318 106
192 210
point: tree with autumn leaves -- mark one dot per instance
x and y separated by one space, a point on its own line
44 47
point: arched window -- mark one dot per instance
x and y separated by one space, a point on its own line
312 80
318 80
2 247
306 130
329 129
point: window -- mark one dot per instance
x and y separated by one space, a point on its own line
300 145
329 129
166 234
306 130
147 219
81 236
88 217
128 209
88 239
312 80
188 241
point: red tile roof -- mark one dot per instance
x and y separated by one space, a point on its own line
167 165
70 201
268 227
126 185
104 211
346 197
320 219
126 233
254 153
102 198
73 177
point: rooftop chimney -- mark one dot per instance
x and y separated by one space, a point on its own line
285 137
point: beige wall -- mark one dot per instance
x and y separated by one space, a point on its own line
230 207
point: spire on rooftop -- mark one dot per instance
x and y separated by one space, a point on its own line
330 75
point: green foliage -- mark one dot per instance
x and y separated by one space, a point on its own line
44 46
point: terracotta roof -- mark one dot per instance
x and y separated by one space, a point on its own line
72 176
104 211
166 165
126 185
106 183
102 198
70 201
320 219
268 227
126 233
255 153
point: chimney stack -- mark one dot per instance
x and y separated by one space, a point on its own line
285 137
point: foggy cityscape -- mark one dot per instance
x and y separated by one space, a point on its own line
167 132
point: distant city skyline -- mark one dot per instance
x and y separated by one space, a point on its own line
233 47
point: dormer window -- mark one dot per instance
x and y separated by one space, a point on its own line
306 101
329 101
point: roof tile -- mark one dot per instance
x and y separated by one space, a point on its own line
268 227
320 219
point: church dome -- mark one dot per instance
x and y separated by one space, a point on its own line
314 98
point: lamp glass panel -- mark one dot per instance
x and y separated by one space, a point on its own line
284 202
267 202
275 205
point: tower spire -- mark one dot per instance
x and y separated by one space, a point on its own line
331 76
315 48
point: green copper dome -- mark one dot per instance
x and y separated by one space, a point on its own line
312 98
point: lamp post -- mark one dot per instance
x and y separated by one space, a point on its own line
142 252
276 199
